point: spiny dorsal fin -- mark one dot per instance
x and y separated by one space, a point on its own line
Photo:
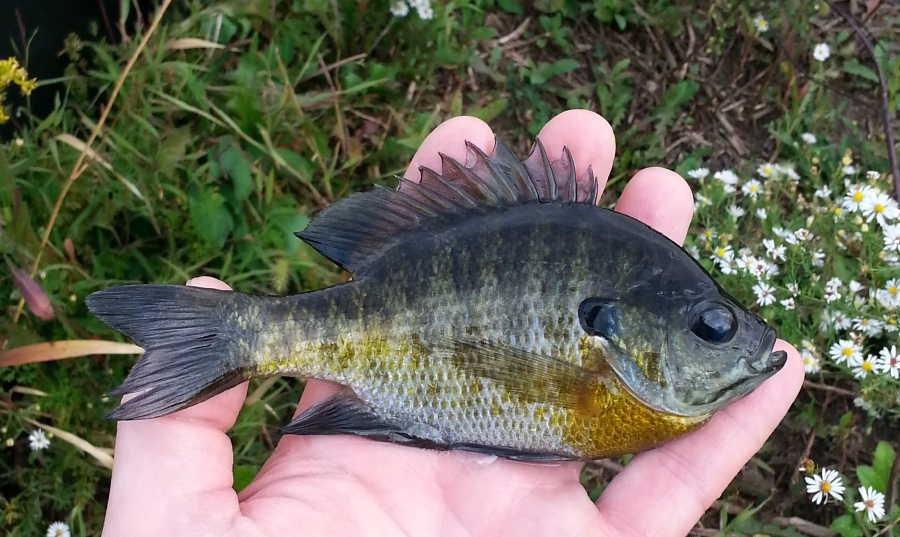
356 229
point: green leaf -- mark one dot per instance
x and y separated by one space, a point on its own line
868 478
482 34
882 463
238 168
510 6
209 216
846 268
853 67
456 104
549 6
172 150
488 112
243 475
846 526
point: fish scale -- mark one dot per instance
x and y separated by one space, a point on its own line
493 307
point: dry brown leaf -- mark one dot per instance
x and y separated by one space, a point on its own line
59 350
188 43
101 454
32 391
32 293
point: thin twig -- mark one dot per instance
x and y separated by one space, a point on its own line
892 481
884 110
342 124
80 166
826 388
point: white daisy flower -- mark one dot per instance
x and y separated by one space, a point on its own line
866 366
825 485
848 170
872 503
869 327
760 23
38 440
821 52
707 235
841 321
722 253
891 238
736 211
845 350
726 176
811 362
808 137
727 266
834 283
775 252
889 361
793 289
399 8
881 207
818 258
425 12
823 193
58 529
788 171
766 169
701 200
699 173
889 297
765 293
694 251
803 234
788 303
752 188
761 213
855 196
782 233
872 175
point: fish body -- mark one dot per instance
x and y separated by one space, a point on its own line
492 308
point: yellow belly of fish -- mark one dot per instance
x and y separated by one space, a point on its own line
398 376
613 422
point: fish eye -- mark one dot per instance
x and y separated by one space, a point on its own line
714 323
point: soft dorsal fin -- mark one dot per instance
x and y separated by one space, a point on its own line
354 230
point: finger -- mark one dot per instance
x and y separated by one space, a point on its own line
679 481
661 199
589 138
164 465
450 138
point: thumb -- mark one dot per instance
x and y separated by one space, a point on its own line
164 466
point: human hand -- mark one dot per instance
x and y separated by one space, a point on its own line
173 475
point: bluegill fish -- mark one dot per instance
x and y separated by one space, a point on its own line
493 307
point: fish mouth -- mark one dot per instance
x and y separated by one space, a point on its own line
767 361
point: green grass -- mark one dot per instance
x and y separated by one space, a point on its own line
216 156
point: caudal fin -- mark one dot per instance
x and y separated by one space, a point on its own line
189 336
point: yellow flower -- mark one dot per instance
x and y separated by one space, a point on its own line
11 73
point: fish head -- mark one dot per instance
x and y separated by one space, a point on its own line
687 352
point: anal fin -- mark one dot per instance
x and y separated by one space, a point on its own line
345 413
513 454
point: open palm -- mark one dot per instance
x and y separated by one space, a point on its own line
173 475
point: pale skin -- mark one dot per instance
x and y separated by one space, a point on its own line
173 475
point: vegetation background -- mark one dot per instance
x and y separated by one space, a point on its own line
240 119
